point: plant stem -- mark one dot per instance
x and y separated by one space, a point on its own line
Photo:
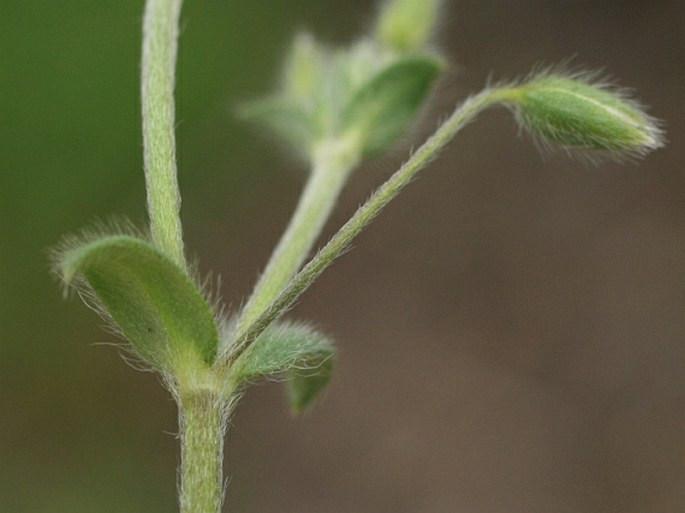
203 422
160 36
367 212
331 165
202 415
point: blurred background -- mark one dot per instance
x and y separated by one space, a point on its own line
511 331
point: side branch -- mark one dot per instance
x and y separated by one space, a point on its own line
339 243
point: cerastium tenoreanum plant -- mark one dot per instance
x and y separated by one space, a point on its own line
335 107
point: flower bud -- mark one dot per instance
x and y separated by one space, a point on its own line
575 113
304 68
369 92
406 25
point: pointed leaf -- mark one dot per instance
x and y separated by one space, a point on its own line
286 118
155 305
305 354
383 108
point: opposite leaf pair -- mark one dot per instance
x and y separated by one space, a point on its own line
161 311
334 107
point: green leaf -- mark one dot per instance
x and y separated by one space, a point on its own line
154 304
303 353
304 385
383 108
285 117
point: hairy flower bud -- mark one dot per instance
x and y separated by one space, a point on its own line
407 25
304 68
578 114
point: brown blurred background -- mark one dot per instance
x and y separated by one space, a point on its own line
511 330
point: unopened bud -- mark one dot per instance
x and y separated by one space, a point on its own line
407 25
575 113
304 68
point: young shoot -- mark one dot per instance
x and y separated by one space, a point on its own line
335 107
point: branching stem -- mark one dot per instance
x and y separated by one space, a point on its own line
332 162
367 212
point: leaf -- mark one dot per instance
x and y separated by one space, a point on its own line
304 385
285 117
305 354
155 305
383 108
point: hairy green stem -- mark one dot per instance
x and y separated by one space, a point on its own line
367 212
160 42
331 165
202 418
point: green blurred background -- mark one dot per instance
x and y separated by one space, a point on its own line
511 331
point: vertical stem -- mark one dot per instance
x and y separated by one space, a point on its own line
203 422
160 36
202 416
332 162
